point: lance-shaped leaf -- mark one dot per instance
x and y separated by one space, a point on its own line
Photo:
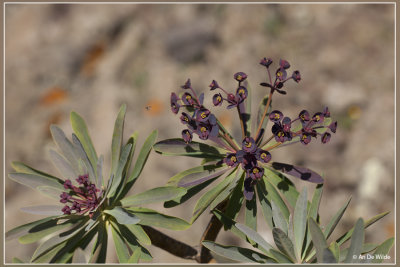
118 172
62 165
33 180
79 256
324 255
24 229
300 221
140 234
48 210
273 195
117 139
279 220
99 251
158 194
256 237
123 216
284 244
334 247
283 184
208 197
230 225
382 250
51 192
266 206
132 242
367 247
298 172
357 241
236 253
81 131
236 199
120 247
250 213
85 166
280 257
153 218
225 193
335 220
178 147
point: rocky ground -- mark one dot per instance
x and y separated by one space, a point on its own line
92 58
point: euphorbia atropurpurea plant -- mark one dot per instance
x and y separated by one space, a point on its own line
243 167
77 229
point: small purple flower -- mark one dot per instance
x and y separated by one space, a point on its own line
68 184
185 119
286 123
64 197
266 62
231 160
174 103
325 137
280 134
66 210
326 112
188 99
304 116
214 85
202 114
76 206
281 74
249 145
333 126
241 94
203 130
240 76
217 99
284 64
263 156
187 85
305 138
318 117
275 116
187 136
256 173
296 76
83 179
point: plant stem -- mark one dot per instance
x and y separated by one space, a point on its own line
241 123
267 141
274 146
265 114
169 244
211 233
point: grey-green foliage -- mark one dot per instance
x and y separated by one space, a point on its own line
303 239
84 238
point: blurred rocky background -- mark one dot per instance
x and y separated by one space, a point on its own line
91 58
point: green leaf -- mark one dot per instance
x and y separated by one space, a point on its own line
120 247
236 199
367 247
208 197
132 140
256 237
17 260
117 138
140 234
279 221
33 180
123 216
133 243
62 165
266 207
284 244
250 213
300 221
99 252
135 256
178 147
335 220
280 257
357 241
236 253
155 219
283 184
79 256
158 194
48 210
84 164
140 162
225 193
81 131
229 224
24 229
347 235
318 239
118 172
273 195
383 249
334 247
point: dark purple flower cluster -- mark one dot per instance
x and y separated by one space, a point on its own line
280 75
282 126
250 157
233 100
201 121
80 199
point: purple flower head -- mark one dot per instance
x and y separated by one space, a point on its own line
231 160
284 64
217 99
68 184
266 62
174 103
202 114
275 116
318 117
188 99
296 76
263 156
256 173
304 116
240 76
76 206
187 136
325 137
280 134
187 85
83 179
185 119
305 138
249 145
286 123
333 126
64 197
66 210
281 74
241 94
326 112
213 85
